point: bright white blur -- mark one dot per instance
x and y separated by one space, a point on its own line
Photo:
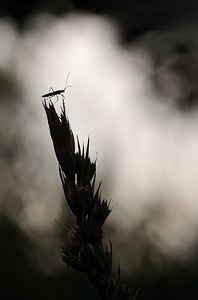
147 151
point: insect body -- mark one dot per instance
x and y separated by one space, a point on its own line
52 94
57 92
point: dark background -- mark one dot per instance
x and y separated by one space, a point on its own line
134 17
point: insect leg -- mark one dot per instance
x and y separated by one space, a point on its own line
57 99
51 96
63 96
51 89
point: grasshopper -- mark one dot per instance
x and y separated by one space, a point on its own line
57 92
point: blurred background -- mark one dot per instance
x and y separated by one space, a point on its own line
134 67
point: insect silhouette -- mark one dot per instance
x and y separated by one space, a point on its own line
57 92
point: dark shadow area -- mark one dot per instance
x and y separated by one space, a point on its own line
21 280
134 17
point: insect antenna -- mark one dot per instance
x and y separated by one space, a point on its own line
67 81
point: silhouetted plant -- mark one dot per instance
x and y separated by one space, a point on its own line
83 249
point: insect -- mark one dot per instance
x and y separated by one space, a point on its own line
57 92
